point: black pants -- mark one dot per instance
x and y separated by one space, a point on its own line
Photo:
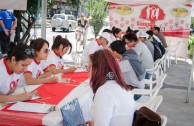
4 41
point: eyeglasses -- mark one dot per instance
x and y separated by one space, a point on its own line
28 51
46 50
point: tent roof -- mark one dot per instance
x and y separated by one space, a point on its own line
13 4
152 1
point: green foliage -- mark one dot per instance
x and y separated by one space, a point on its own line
192 22
50 4
74 3
97 11
190 46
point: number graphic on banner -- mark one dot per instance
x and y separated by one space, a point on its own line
122 25
170 21
127 22
116 21
122 18
132 19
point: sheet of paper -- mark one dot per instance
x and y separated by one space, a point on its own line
31 107
81 70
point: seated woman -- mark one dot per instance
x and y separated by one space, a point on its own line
113 101
11 69
38 72
117 32
55 61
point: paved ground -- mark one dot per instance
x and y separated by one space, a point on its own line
174 93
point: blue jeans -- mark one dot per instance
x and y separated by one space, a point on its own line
147 76
136 97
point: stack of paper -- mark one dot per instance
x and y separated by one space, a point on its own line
31 107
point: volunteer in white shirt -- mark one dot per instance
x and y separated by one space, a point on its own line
38 72
11 68
113 101
95 45
55 59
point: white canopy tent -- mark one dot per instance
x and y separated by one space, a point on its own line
171 25
173 39
13 4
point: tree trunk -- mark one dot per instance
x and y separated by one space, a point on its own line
26 36
18 28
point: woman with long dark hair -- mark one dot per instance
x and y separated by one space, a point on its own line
113 101
19 57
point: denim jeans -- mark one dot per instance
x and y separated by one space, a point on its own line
4 41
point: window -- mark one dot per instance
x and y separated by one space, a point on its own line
69 18
61 16
55 17
73 18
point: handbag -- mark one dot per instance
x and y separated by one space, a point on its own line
146 117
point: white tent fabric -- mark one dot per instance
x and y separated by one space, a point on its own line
152 1
13 4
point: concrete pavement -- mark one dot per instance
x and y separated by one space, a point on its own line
174 93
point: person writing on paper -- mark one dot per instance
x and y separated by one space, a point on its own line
38 72
113 101
11 68
55 61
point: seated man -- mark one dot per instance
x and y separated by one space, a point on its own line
142 50
131 66
94 45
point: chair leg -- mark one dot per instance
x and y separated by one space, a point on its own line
168 60
164 65
176 58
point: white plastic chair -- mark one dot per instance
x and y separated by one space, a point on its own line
148 96
164 120
155 103
156 71
172 51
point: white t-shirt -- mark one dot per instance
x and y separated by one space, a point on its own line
145 55
36 69
92 47
113 106
55 60
8 80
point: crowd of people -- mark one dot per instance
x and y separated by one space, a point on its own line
116 65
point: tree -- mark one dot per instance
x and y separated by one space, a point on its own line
26 19
75 4
97 11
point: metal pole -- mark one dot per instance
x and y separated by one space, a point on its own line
43 23
190 81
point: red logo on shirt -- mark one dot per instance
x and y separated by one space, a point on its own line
38 73
13 84
60 65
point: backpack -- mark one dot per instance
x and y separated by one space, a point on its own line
157 51
146 117
161 48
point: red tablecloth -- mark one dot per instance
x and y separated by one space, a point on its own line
50 93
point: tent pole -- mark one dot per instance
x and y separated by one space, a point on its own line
190 81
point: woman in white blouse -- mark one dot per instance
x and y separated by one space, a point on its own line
113 101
